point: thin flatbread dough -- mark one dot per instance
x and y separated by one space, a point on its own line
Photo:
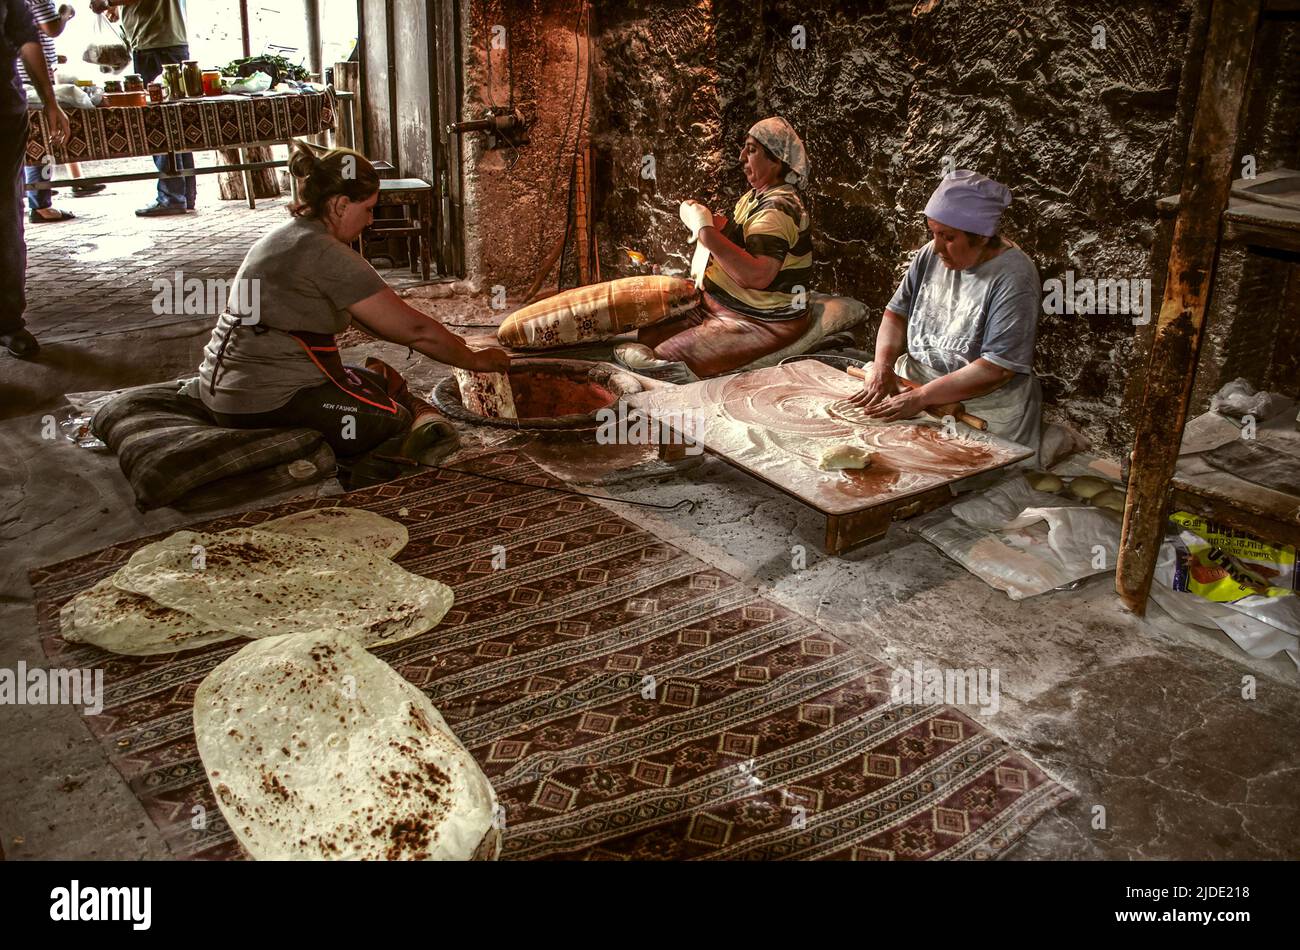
262 584
121 622
346 526
317 750
488 394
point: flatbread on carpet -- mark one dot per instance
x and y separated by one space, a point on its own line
262 584
347 526
317 750
122 622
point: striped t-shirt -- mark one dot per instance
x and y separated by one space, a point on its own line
771 224
43 12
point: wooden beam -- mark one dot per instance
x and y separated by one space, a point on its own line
1207 178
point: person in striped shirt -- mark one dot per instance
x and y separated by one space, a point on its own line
755 287
50 22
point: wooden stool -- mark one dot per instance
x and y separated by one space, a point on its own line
415 198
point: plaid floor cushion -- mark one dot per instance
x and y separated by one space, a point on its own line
172 453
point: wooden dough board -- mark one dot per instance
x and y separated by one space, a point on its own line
774 424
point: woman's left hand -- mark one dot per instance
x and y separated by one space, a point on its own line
905 405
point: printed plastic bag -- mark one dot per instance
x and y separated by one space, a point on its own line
106 49
1225 566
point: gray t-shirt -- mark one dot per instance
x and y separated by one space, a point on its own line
296 277
954 317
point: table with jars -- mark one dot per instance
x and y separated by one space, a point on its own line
188 109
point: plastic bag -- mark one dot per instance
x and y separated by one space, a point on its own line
106 49
70 95
258 82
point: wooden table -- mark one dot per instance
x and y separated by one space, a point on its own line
774 424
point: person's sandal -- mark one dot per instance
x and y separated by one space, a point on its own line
35 217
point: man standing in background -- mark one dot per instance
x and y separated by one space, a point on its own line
155 32
19 37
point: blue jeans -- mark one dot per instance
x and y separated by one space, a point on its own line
178 192
44 198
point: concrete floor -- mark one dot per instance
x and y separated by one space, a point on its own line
1142 718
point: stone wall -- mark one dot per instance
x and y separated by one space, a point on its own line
882 92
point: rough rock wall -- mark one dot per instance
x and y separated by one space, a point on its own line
515 199
881 93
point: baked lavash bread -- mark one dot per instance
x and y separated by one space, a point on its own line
317 749
349 526
487 394
130 622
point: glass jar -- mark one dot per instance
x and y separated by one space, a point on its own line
113 85
155 91
211 82
134 83
173 80
193 78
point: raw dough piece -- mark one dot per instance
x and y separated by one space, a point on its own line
1044 481
346 526
1110 498
261 584
844 456
317 750
1085 486
487 394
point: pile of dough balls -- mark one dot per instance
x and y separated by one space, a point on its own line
1089 488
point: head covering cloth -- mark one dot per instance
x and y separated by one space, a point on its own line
779 137
969 201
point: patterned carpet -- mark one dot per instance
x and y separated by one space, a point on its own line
627 700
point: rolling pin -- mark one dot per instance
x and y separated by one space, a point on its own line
954 409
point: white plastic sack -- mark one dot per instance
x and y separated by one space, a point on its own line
72 96
1025 542
106 49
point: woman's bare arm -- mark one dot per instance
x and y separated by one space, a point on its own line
388 316
754 273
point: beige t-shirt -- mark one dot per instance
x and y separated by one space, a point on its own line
152 24
296 277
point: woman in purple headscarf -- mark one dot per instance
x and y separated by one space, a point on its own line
963 320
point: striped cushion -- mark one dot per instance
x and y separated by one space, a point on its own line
169 448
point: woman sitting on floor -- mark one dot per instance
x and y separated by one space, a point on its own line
755 287
272 361
963 320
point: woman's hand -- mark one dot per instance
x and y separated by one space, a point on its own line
904 405
490 360
879 383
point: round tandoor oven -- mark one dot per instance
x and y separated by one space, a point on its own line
549 394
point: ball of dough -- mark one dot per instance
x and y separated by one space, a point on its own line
1085 486
844 456
1110 498
1044 481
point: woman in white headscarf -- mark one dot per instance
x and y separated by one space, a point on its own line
755 286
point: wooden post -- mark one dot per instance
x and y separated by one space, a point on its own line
1207 177
232 184
347 78
311 13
